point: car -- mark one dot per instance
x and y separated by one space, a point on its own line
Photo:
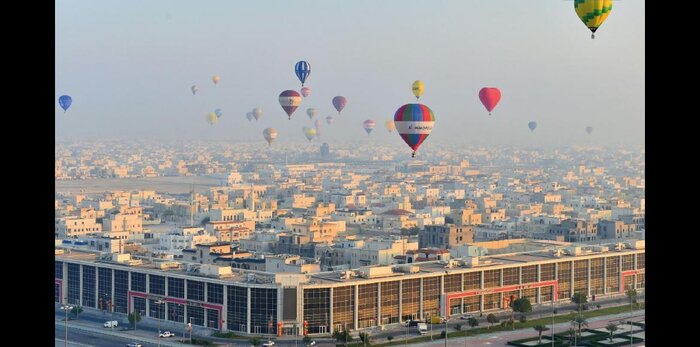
111 324
269 344
312 343
166 334
133 344
466 316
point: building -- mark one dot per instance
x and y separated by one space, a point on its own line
614 229
325 151
72 226
262 303
445 236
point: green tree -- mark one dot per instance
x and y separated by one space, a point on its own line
134 318
579 322
579 299
390 337
76 311
473 322
540 328
612 328
255 341
491 318
631 296
342 336
205 220
364 337
523 306
572 335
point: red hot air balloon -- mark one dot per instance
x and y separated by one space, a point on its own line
339 103
368 125
306 91
414 122
290 101
489 97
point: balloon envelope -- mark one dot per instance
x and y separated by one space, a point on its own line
309 133
317 124
532 125
329 120
489 97
290 101
216 79
417 88
212 118
339 103
194 89
218 112
593 13
311 112
249 116
270 134
306 91
389 125
589 130
303 70
65 101
414 122
368 125
257 113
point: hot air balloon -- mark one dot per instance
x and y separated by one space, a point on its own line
417 89
216 79
306 91
303 70
212 118
593 13
589 130
414 122
218 112
290 101
368 125
311 112
317 124
257 113
249 116
329 120
64 101
270 135
309 133
194 89
339 103
532 126
389 125
489 97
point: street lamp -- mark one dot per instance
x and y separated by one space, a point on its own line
158 302
66 308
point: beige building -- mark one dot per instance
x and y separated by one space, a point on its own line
289 263
74 226
123 222
445 236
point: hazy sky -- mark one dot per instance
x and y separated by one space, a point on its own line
129 66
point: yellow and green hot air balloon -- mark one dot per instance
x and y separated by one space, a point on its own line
593 12
212 118
417 88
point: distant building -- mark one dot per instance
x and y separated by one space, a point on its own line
325 151
445 236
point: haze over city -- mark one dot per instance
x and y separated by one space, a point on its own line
129 65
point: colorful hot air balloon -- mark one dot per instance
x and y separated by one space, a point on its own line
317 125
216 79
589 130
306 91
417 89
311 112
309 133
414 122
194 89
368 125
489 97
593 12
329 120
270 135
339 103
65 101
389 125
249 116
290 101
257 113
212 118
532 126
303 70
218 112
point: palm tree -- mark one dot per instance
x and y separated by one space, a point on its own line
632 296
572 335
540 328
612 327
578 322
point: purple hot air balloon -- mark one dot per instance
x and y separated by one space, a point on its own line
339 103
290 101
329 120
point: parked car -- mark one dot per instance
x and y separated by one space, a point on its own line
111 324
312 343
166 334
133 344
269 344
466 316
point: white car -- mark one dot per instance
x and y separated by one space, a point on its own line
466 316
269 344
111 324
312 343
166 334
133 344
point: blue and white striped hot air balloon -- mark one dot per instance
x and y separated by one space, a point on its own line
303 70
